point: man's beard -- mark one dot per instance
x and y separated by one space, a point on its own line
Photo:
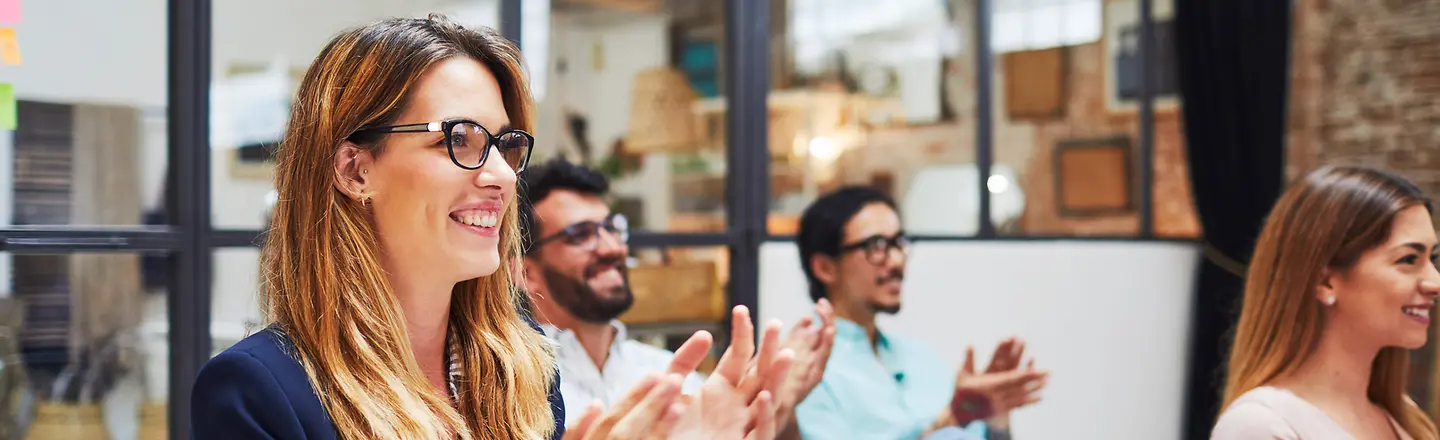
582 301
897 274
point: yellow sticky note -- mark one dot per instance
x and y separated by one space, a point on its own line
7 107
9 47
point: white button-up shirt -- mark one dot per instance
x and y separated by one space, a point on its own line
628 362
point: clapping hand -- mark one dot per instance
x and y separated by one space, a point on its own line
652 408
1006 386
812 344
738 400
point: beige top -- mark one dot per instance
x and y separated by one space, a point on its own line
1267 413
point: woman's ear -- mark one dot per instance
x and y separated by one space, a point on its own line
824 267
352 169
1325 291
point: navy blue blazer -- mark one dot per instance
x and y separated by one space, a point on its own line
257 390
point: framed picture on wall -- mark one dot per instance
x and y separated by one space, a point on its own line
1094 177
1122 56
249 108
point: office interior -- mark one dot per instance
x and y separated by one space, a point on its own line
1068 180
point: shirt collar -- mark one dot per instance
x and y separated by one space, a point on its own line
562 336
848 330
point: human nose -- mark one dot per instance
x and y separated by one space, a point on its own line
608 242
1430 284
495 171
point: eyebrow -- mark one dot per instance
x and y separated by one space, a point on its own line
503 127
1421 248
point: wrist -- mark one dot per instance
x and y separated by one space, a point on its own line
998 422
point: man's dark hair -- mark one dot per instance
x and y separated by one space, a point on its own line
539 180
822 226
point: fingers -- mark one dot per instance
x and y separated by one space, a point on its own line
769 344
822 353
762 415
586 422
1027 394
759 375
779 370
668 421
742 346
643 417
607 421
1020 378
969 366
827 320
690 354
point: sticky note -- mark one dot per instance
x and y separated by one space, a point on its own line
7 107
9 11
9 47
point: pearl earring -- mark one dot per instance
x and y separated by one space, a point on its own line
365 171
1330 301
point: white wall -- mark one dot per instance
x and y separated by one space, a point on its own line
1110 319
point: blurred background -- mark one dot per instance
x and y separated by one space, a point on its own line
1069 180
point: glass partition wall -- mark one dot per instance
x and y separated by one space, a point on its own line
133 201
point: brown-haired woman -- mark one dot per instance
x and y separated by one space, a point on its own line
1339 289
394 314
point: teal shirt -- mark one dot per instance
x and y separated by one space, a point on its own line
895 396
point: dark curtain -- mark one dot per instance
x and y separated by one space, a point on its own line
1234 68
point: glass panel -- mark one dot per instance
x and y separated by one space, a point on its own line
637 92
255 75
83 346
89 148
878 97
678 291
1067 132
235 307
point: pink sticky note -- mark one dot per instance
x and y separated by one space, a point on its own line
10 11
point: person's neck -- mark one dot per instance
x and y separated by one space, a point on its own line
595 338
858 313
426 306
1337 373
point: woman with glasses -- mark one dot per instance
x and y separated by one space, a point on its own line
385 268
1339 290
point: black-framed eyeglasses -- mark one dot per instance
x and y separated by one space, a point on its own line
469 142
877 247
585 236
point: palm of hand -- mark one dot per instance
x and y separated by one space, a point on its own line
1005 385
716 412
811 345
737 401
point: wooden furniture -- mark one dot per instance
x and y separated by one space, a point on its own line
681 291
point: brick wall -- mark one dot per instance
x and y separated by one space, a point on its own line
1086 117
1366 87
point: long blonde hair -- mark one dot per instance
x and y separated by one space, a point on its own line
1327 220
324 286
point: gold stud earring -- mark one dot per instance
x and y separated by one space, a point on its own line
365 171
365 200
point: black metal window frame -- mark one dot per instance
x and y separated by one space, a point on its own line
190 239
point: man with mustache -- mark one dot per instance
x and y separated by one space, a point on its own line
880 385
574 270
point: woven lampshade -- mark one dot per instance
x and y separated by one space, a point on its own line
662 115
